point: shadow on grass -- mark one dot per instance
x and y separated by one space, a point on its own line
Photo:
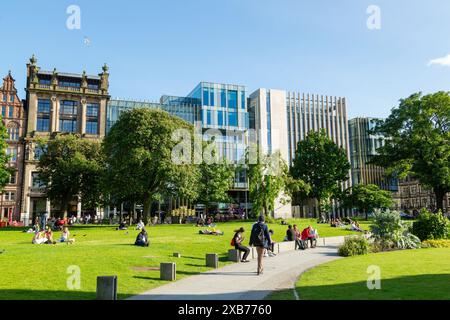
419 287
18 294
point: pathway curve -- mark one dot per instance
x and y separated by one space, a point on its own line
239 281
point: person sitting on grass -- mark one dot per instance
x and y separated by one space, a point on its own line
355 227
142 239
49 235
237 243
39 238
65 236
122 226
140 225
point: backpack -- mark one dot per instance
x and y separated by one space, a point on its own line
258 235
233 242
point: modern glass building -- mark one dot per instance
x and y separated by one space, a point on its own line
219 109
363 147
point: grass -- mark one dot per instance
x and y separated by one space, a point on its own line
409 274
41 271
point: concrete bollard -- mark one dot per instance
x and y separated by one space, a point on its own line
323 241
234 255
212 260
107 288
177 255
254 254
168 271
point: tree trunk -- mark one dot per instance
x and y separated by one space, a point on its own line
439 194
367 214
146 208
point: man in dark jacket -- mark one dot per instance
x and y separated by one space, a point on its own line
260 238
290 234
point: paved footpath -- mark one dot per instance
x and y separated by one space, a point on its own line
239 281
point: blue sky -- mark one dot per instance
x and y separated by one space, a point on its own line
156 47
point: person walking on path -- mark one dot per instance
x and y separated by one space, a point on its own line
237 242
260 238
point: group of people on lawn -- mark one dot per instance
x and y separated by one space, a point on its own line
45 236
301 238
354 225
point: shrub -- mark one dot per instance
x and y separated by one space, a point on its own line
436 244
354 246
430 226
389 232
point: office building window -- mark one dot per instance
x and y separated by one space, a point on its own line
11 112
223 98
269 123
93 86
38 152
232 119
12 179
211 97
209 120
232 99
92 110
220 118
13 133
45 82
206 96
68 116
36 182
12 154
70 84
243 99
92 127
43 116
10 196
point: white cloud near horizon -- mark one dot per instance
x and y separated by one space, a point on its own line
444 61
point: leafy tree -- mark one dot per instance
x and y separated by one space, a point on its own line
139 157
431 226
72 167
366 198
5 170
321 164
418 141
214 182
269 179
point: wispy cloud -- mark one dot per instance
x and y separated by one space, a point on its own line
444 61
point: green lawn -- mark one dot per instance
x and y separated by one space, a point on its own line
409 274
40 271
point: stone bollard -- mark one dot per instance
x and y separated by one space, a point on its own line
107 288
254 254
177 255
323 241
212 260
234 255
168 271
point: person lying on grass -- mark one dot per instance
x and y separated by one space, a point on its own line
213 232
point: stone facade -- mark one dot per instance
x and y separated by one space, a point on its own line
59 103
14 118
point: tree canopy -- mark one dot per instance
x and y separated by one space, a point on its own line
138 152
418 141
5 170
321 164
367 198
72 167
